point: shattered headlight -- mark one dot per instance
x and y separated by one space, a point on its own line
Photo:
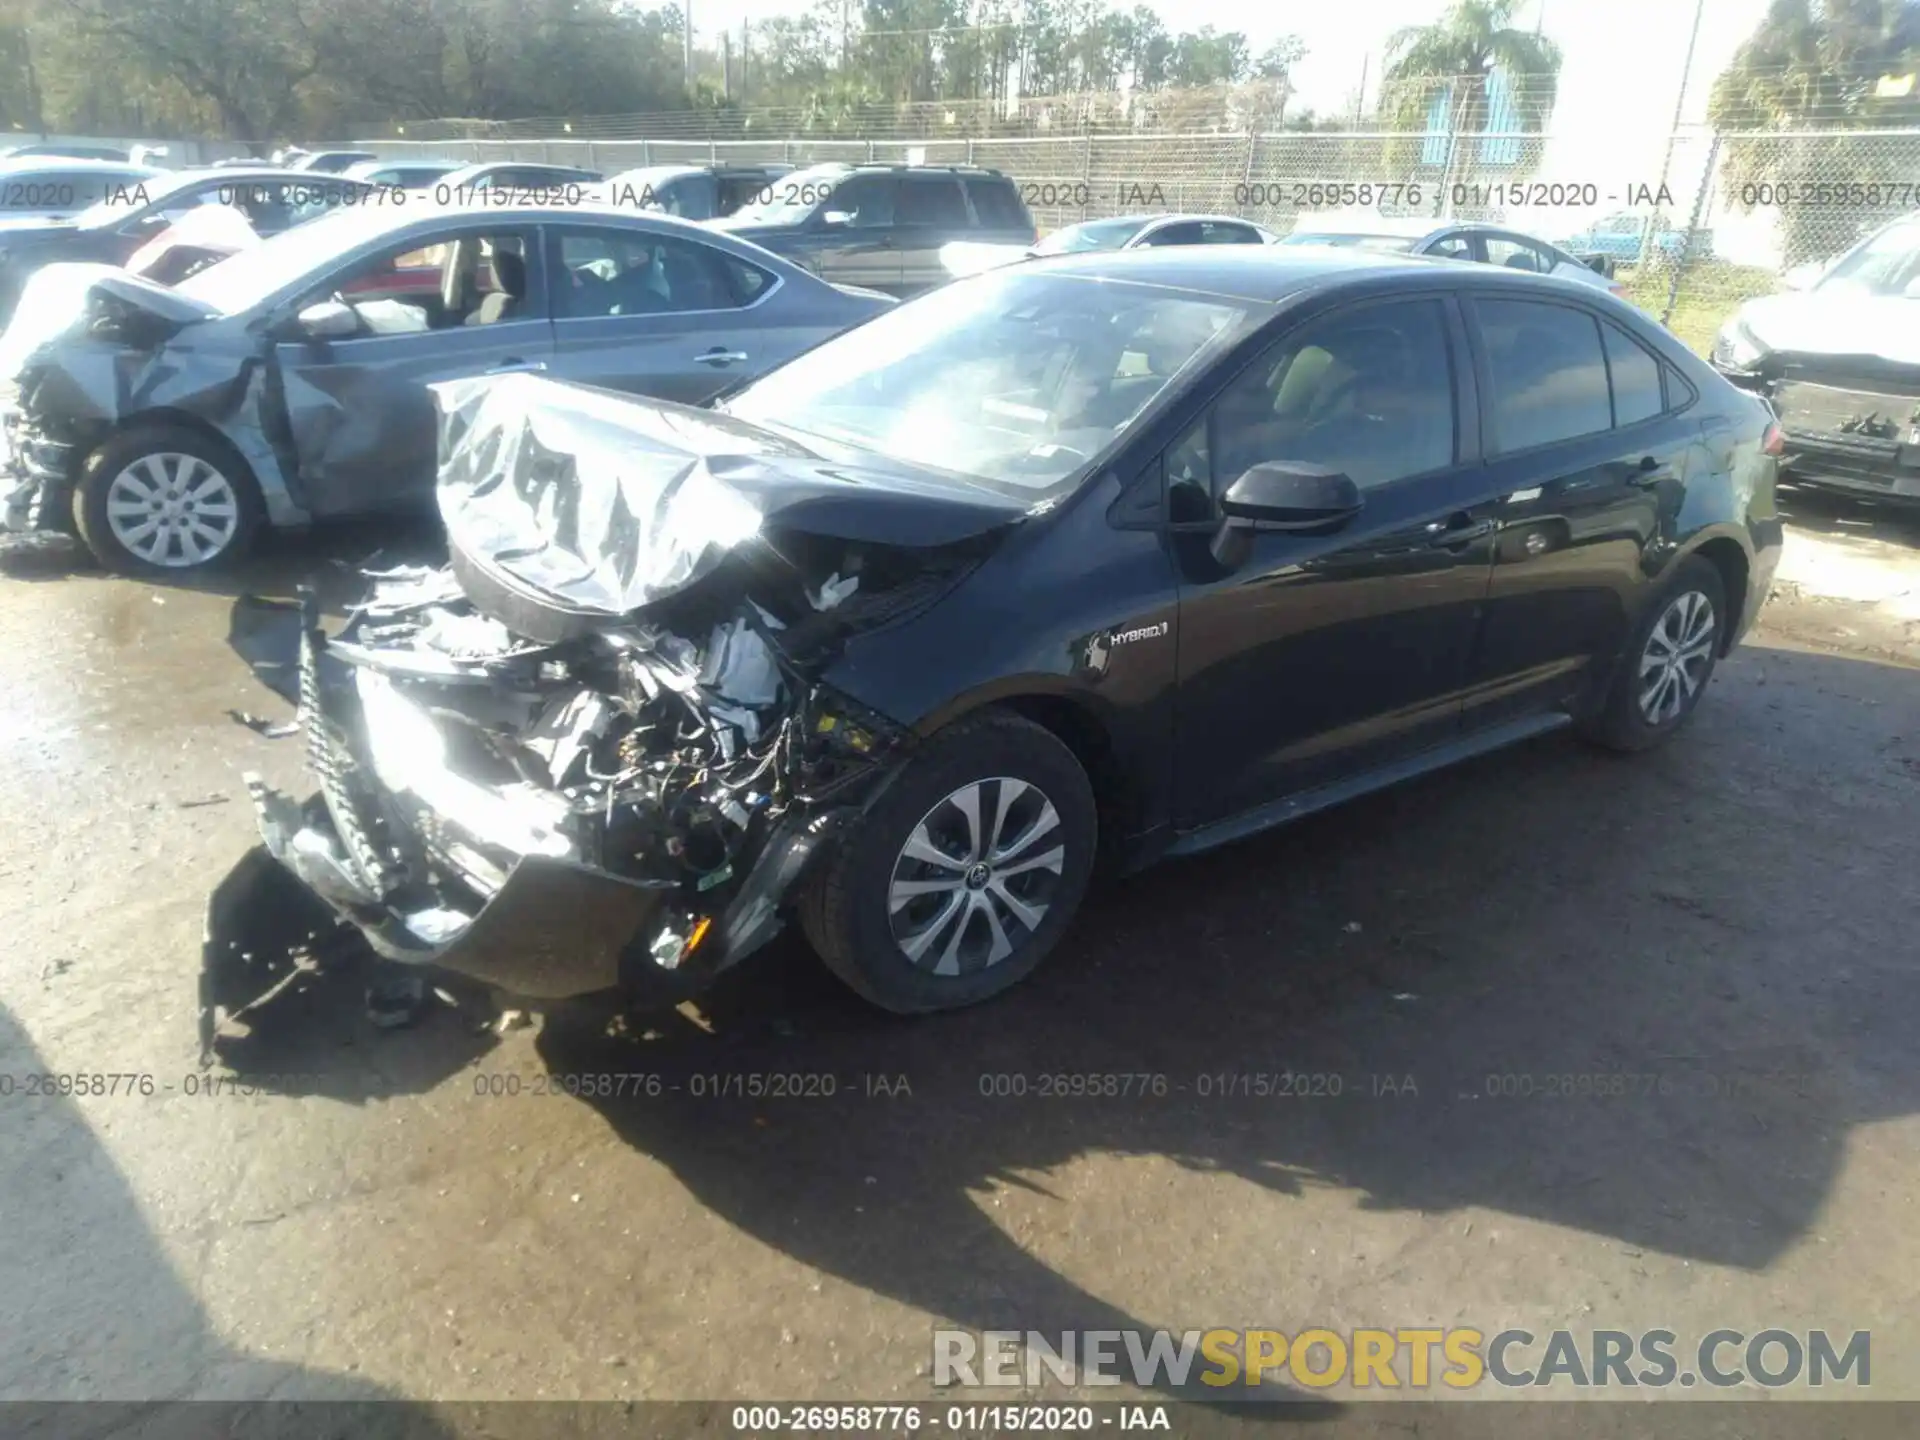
1736 347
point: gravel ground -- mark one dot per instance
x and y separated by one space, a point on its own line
1732 915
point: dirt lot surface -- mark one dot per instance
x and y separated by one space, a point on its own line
1732 916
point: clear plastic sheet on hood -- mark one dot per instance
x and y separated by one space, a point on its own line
607 502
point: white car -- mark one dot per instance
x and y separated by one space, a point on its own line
1124 232
1450 240
1838 357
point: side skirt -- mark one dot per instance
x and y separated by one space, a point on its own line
1323 797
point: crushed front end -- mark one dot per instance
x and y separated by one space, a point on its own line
598 749
1851 421
622 810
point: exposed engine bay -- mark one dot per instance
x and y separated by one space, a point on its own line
595 750
685 782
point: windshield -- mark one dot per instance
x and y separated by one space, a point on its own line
1014 378
1090 235
123 200
1886 265
1385 244
242 280
793 197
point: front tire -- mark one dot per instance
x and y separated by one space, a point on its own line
165 501
964 875
1667 663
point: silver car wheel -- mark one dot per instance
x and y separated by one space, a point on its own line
1678 653
173 510
976 876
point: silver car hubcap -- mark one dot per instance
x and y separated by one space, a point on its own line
1675 662
976 876
173 510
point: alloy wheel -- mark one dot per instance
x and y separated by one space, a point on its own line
173 510
1677 656
976 876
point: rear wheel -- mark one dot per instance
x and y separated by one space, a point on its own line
165 500
1667 663
965 873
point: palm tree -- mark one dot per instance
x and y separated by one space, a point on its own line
1457 56
1817 71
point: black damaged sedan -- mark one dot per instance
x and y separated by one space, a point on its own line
1114 556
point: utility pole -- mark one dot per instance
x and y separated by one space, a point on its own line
686 17
726 65
1679 109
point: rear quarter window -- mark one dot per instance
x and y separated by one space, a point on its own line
998 205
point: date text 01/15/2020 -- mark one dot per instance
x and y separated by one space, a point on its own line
960 1420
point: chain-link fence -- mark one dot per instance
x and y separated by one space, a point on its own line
1693 222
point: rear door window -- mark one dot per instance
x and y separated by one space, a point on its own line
602 273
1186 232
1635 375
1546 373
935 200
1518 255
1221 232
867 200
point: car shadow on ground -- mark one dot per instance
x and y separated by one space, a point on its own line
1646 999
1542 914
102 1333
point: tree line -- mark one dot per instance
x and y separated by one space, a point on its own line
258 71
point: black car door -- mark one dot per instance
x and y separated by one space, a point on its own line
1324 654
1588 446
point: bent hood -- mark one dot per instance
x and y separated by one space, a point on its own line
606 503
1831 321
56 298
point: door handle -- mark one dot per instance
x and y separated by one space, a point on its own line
513 364
718 356
1457 530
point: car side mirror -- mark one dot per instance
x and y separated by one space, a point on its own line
328 320
1281 495
1600 265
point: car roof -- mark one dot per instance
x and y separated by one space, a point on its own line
1268 274
972 172
230 174
370 222
12 163
1365 223
1185 217
661 172
388 162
